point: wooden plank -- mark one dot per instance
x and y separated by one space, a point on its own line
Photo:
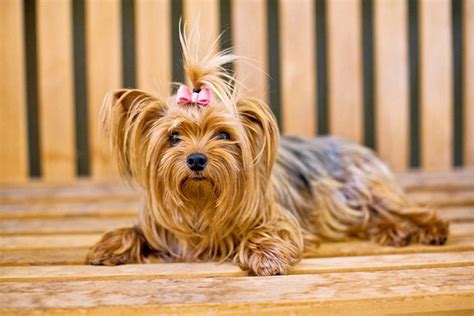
153 46
212 269
60 254
436 84
382 291
61 226
391 77
413 180
48 242
98 209
441 199
107 209
327 249
457 214
205 15
249 39
55 84
468 29
85 225
436 198
461 179
104 73
13 145
345 69
298 69
72 256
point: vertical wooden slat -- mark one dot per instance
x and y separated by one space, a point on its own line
297 67
153 46
55 75
468 83
206 14
391 77
345 69
13 145
435 84
103 74
249 41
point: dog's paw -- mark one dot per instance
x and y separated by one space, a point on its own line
266 264
121 246
393 234
435 233
268 258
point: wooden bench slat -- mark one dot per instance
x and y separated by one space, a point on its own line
345 68
468 115
435 84
439 198
13 119
153 58
62 226
72 249
379 291
104 73
62 210
110 209
55 87
84 225
250 40
297 68
129 205
26 192
391 77
211 269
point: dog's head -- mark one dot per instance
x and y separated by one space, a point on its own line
184 153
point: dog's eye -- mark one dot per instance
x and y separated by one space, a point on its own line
223 136
174 138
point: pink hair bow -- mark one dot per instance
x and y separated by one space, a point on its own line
201 97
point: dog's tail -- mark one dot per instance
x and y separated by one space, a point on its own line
206 68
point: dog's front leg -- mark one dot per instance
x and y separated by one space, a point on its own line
120 246
270 249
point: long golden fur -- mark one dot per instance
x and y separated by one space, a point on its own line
261 201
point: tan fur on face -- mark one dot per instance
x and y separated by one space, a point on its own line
260 201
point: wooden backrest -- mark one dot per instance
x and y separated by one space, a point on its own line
394 75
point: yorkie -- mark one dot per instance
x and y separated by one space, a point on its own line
220 184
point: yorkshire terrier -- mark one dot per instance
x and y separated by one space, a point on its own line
220 184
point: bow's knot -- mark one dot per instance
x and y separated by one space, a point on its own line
200 97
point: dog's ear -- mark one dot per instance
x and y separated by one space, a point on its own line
126 118
262 130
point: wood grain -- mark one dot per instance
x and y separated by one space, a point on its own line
13 144
249 22
458 241
391 77
345 68
468 29
436 84
98 209
85 225
211 269
76 255
428 289
153 46
203 14
55 85
62 226
104 73
297 67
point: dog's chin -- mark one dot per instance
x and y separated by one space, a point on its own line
196 183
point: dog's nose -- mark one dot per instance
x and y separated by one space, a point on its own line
197 161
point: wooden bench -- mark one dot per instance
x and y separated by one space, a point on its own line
45 230
394 75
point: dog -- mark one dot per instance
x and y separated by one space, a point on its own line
221 185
